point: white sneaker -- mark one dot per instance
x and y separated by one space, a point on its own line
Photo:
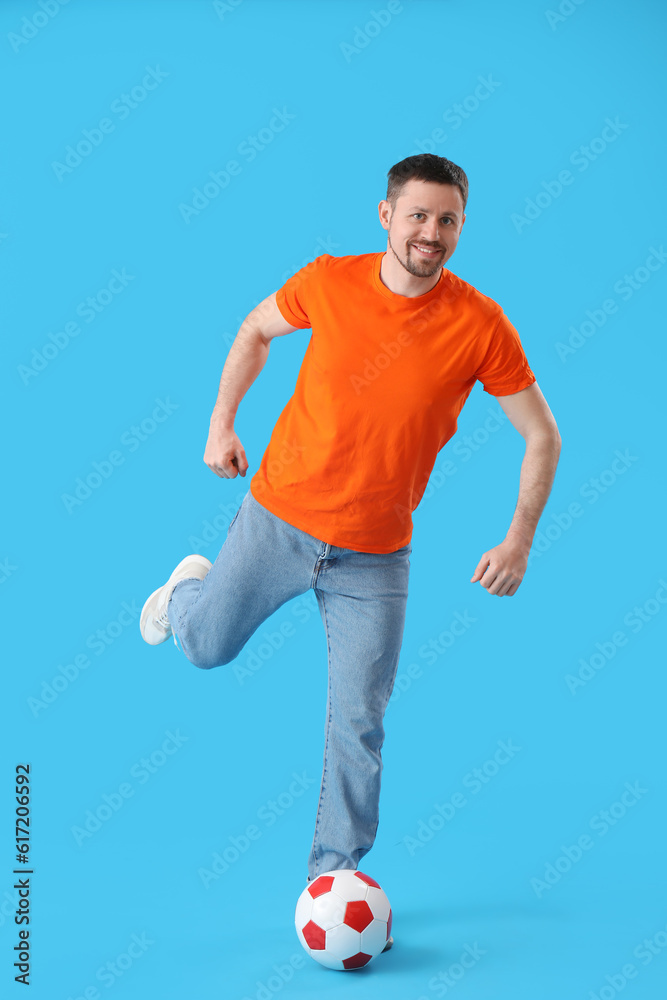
154 622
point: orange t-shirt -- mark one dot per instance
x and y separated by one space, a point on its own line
380 388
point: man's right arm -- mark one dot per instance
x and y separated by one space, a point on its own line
247 356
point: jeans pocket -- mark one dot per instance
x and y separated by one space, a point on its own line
233 519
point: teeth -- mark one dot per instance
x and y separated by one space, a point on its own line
425 249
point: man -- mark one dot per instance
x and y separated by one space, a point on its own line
398 341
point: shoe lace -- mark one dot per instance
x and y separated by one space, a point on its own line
163 620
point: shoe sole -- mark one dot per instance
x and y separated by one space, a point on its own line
149 632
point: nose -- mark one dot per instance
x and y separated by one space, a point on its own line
430 233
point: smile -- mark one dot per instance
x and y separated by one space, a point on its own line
425 252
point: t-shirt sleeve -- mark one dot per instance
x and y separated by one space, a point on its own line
295 297
505 367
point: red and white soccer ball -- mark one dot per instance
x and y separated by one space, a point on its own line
343 919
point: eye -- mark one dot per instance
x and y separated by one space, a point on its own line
445 218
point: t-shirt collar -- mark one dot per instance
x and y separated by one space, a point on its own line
406 299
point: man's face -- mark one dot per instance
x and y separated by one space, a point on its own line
427 215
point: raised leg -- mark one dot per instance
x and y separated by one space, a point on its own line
262 564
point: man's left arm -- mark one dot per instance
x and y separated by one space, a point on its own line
501 569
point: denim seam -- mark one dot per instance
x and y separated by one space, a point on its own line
327 734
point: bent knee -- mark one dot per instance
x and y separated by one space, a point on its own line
203 662
206 658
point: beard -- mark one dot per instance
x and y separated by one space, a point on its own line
420 267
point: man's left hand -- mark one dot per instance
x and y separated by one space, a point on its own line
501 569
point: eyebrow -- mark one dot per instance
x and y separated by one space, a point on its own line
418 208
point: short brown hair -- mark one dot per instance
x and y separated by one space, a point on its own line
425 167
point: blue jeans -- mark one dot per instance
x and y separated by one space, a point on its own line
362 596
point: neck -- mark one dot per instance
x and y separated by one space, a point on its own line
402 282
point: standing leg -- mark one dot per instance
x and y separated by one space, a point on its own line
362 599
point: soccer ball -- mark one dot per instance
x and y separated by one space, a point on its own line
343 919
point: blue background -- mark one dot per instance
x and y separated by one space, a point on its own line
361 101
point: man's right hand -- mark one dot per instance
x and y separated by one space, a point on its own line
224 453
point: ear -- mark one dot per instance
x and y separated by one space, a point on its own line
384 211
